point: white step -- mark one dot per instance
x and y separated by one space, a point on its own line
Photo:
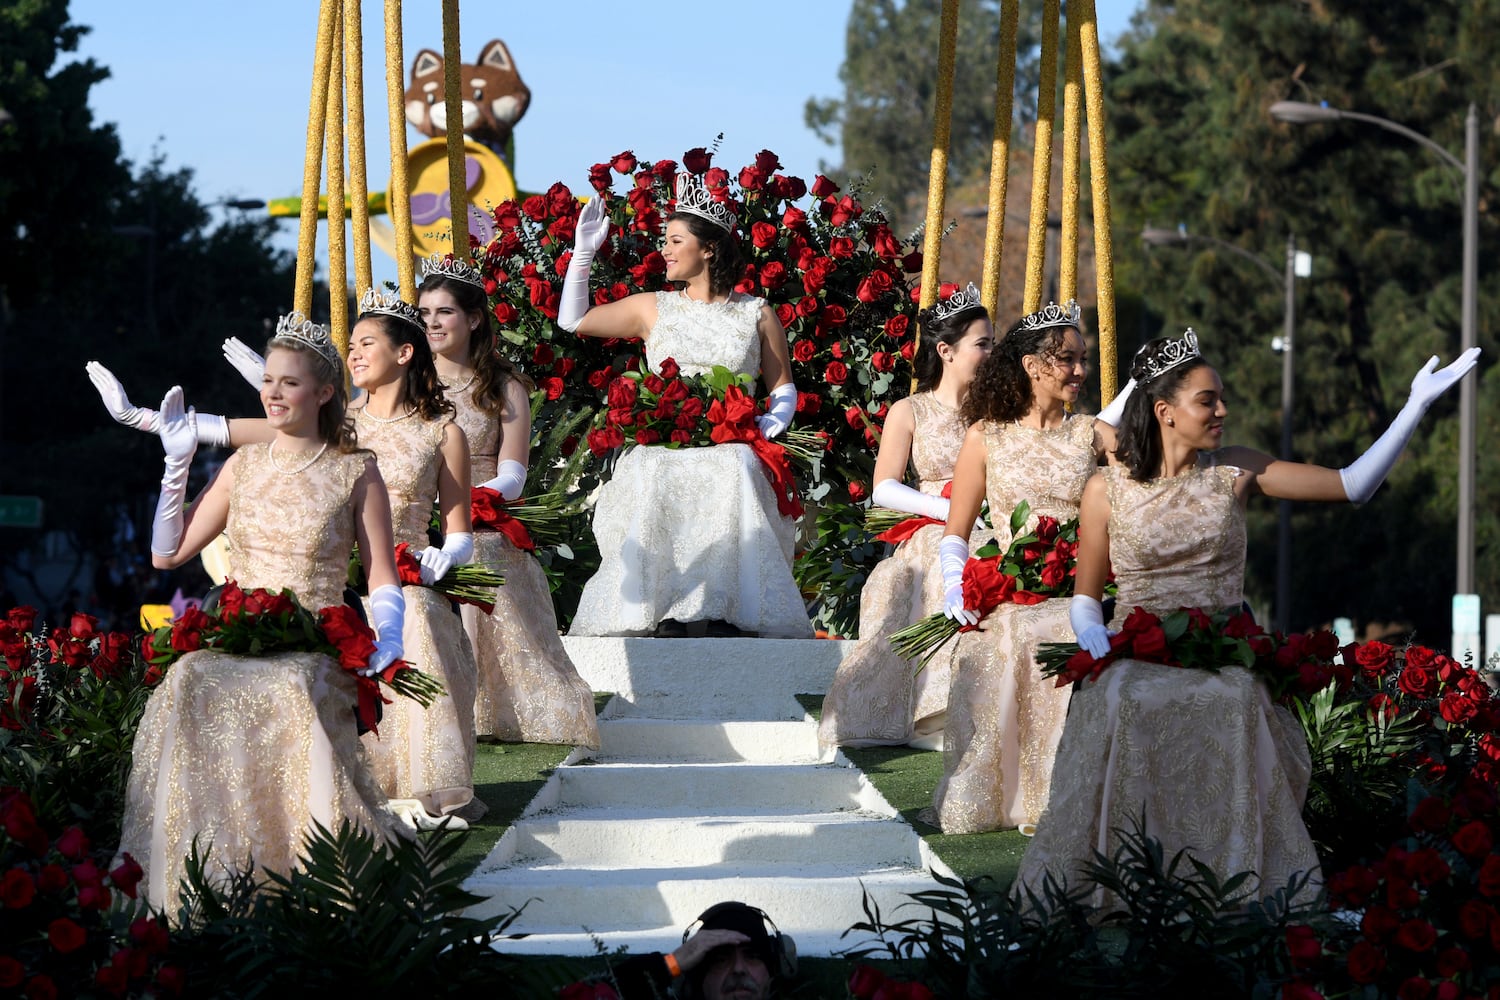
714 787
622 838
813 943
563 902
708 678
623 739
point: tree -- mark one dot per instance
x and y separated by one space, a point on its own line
883 123
1192 142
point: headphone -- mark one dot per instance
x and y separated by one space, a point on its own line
783 948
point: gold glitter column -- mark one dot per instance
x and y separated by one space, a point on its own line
312 159
1041 166
338 261
1005 86
398 195
1067 271
359 190
453 100
937 177
1104 253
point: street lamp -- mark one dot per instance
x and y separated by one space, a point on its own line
1301 113
1298 265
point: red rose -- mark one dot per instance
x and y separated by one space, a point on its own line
1457 709
885 244
896 327
1489 876
623 163
843 211
841 247
1374 657
622 393
857 491
864 981
1299 991
52 878
807 305
1452 962
598 441
83 626
17 889
876 284
1413 988
822 187
763 235
1417 681
1427 866
804 350
882 361
1151 645
1419 656
1473 840
552 386
23 618
835 373
1302 945
808 402
1416 935
11 972
41 988
65 935
126 875
716 180
751 179
599 177
1365 962
680 436
692 408
1474 918
985 587
773 275
697 160
794 218
149 935
73 844
172 979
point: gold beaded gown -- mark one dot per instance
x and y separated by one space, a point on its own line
244 753
877 698
1207 759
529 690
1004 718
422 753
694 534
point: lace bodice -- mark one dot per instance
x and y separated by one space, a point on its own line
409 453
1177 542
1046 468
936 437
699 335
293 530
482 430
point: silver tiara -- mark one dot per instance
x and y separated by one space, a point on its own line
295 326
441 266
694 197
1169 355
1052 314
964 298
377 301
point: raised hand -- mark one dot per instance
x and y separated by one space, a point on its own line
251 366
592 227
179 438
117 403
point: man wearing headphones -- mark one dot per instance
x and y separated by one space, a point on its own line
736 954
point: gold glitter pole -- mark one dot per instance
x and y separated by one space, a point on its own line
937 178
359 192
1041 165
1104 259
398 196
338 261
1067 271
312 160
453 101
1005 85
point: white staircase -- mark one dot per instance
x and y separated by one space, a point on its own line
708 786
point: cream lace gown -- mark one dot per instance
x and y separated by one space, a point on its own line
422 753
877 698
529 690
694 533
1206 758
1004 718
245 753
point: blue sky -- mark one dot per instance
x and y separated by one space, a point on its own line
222 87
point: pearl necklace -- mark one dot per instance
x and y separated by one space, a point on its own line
365 411
460 388
299 469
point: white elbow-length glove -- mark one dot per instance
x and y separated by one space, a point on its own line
896 495
588 237
209 428
953 554
179 441
778 417
1363 476
1112 413
387 614
250 365
1086 615
509 481
458 548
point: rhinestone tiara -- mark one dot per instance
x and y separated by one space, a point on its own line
1052 314
448 266
377 301
1168 356
694 198
295 326
964 298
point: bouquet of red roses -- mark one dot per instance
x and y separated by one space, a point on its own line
470 583
687 411
1200 640
1037 566
544 520
259 622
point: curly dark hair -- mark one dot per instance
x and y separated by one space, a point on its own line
335 426
1138 438
422 389
1002 389
491 368
928 364
726 265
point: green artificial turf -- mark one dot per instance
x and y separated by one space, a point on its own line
906 778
